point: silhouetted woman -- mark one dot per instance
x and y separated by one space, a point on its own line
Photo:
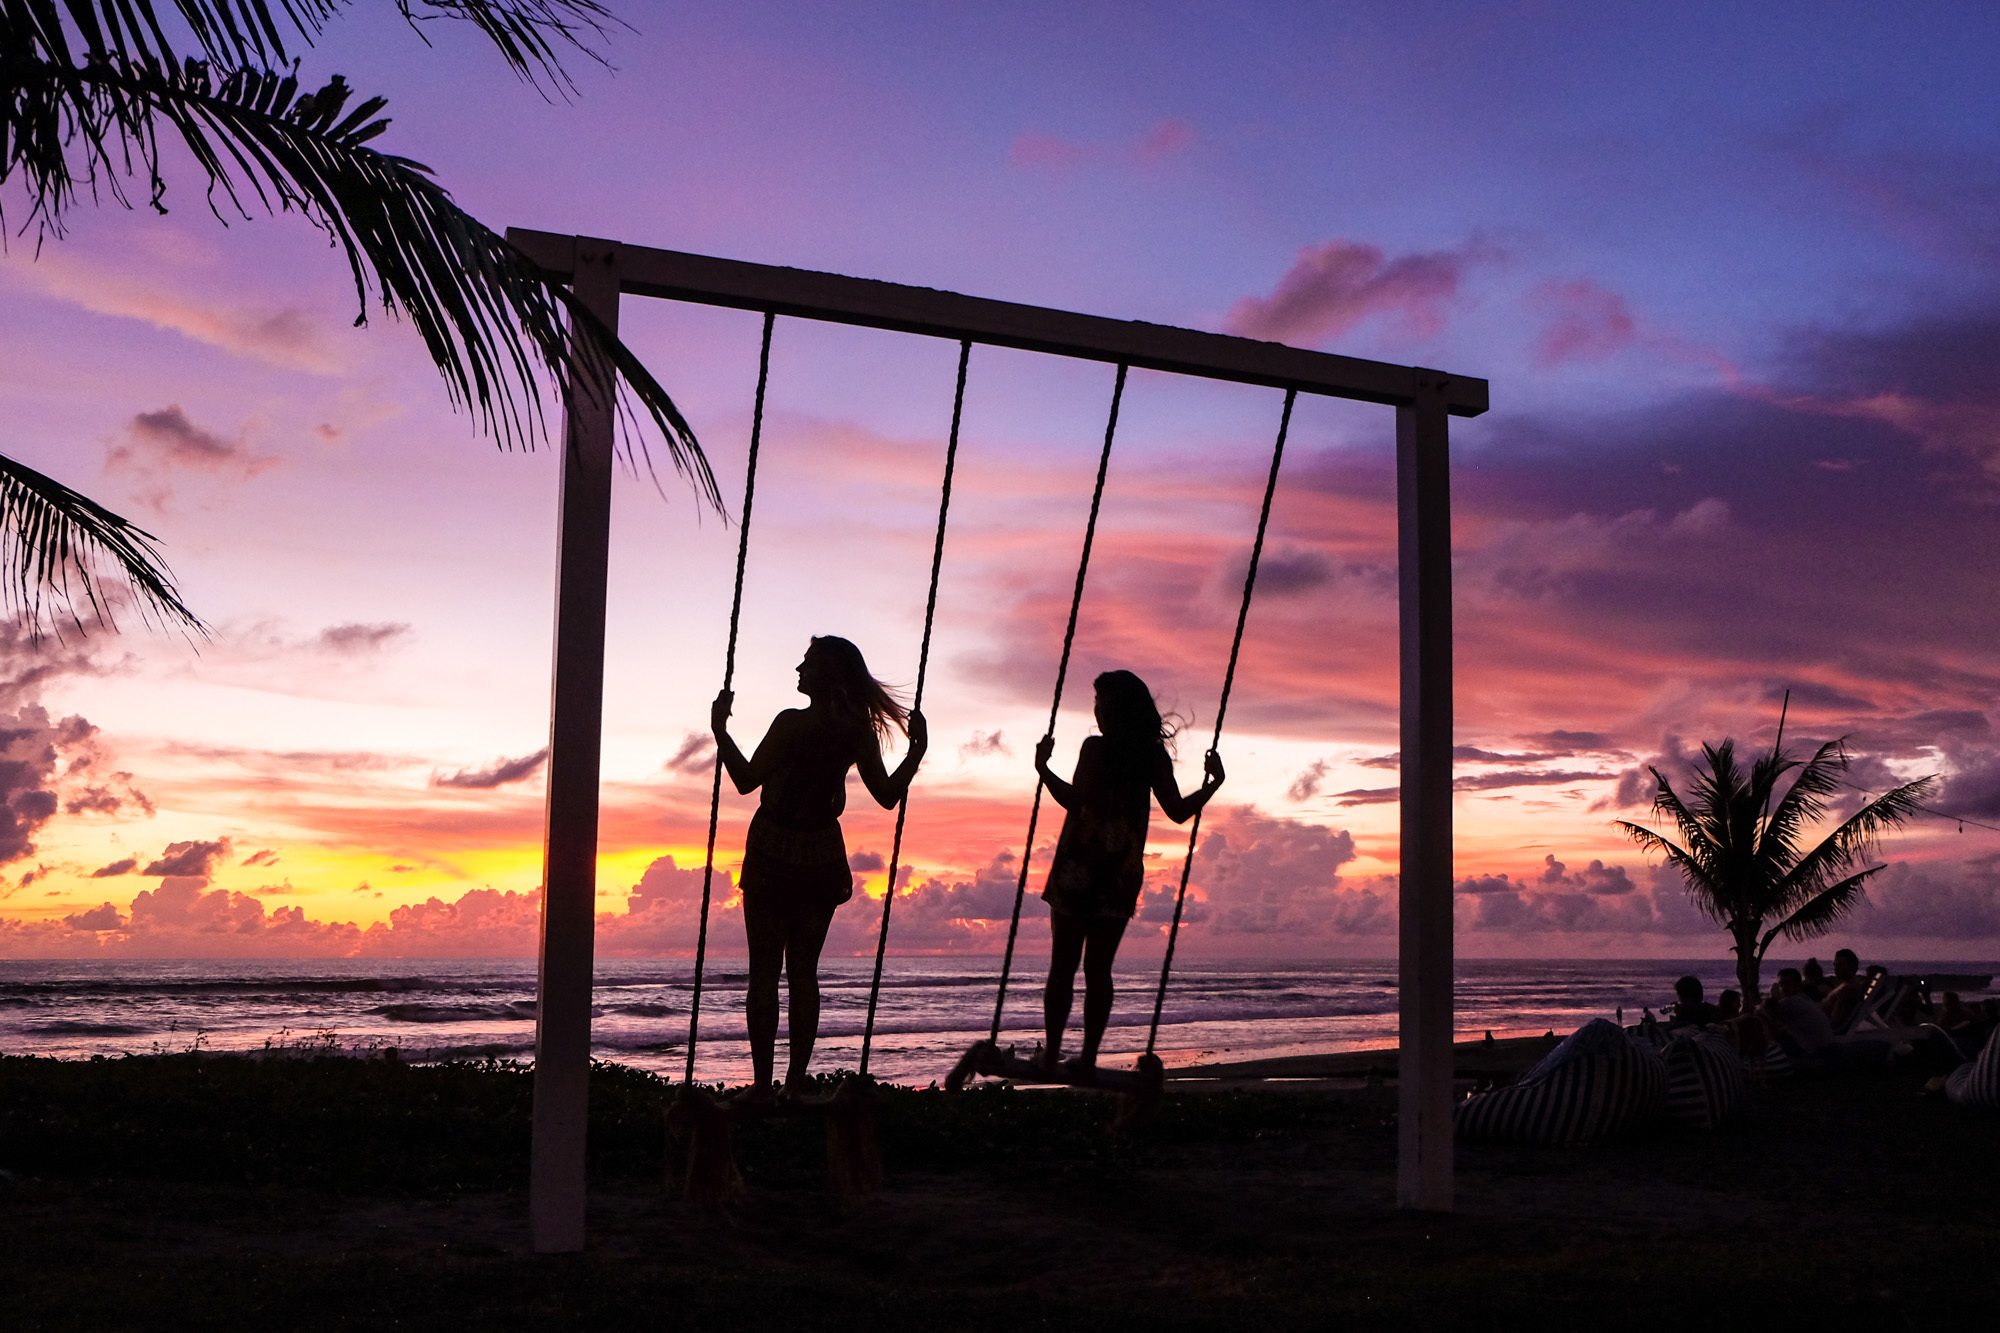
794 861
1100 865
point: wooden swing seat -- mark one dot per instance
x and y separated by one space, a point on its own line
989 1059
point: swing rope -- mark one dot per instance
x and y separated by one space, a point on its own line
1222 709
916 703
1055 705
728 678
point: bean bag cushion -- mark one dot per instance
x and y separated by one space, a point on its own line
1705 1080
1977 1081
1770 1065
1596 1084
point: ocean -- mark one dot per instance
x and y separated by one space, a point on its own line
931 1008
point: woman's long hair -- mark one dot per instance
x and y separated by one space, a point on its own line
853 693
1132 722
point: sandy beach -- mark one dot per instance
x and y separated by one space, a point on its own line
341 1193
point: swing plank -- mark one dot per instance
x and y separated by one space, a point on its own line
991 1060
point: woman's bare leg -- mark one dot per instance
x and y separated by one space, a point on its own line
805 936
1100 948
1066 935
765 931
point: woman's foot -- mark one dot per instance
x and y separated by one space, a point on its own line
1081 1069
753 1094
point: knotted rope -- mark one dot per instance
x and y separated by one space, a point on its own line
916 702
728 678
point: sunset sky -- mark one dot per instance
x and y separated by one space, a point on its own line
1734 278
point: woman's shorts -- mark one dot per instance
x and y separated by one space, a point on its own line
1073 890
787 867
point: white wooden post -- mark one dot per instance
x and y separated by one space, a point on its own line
1423 513
576 723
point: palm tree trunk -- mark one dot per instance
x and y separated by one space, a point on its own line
1749 965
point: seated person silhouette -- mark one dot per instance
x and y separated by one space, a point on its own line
1690 1009
1795 1022
1844 996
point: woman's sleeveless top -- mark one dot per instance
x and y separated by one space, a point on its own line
1100 860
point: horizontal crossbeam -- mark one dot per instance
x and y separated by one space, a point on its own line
805 294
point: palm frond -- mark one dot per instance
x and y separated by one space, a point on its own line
529 34
52 540
1853 842
1706 894
237 32
1719 797
1821 912
1701 848
488 317
1725 809
1803 804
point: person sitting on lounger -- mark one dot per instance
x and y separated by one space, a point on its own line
1795 1022
1690 1009
1848 988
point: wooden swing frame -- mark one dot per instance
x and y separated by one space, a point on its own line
600 272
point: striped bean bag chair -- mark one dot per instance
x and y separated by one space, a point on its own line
1705 1080
1771 1065
1596 1084
1977 1081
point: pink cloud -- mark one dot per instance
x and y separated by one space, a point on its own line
172 439
285 336
188 859
36 753
478 922
104 917
1598 900
1168 138
499 773
1318 655
1306 785
985 743
696 754
1332 287
1585 322
158 444
1034 150
1264 875
358 638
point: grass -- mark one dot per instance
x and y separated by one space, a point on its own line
321 1191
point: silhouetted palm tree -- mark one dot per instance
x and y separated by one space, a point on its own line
1742 855
91 90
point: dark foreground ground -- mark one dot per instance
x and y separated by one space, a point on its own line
339 1193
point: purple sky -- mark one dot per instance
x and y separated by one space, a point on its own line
1731 276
